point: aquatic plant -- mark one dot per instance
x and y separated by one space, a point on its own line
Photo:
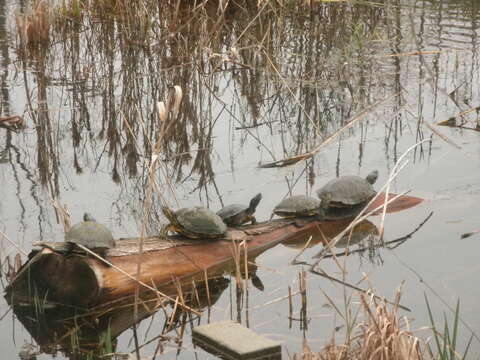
446 342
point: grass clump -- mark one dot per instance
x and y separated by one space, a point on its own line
384 335
381 335
446 343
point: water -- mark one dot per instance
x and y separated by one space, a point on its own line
300 74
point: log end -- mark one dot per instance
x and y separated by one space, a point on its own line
50 276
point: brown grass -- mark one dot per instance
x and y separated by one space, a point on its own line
381 335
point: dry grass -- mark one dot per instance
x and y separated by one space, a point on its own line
381 335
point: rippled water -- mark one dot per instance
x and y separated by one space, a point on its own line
269 82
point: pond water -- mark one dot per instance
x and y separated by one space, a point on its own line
260 82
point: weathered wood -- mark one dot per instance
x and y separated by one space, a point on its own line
76 279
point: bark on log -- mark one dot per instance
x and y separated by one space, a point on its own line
84 281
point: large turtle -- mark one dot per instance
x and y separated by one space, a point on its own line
91 234
238 214
298 206
195 222
346 195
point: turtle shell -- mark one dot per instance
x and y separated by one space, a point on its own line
238 214
91 235
297 205
346 191
196 222
230 212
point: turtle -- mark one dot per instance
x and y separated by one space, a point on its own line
195 222
238 214
345 196
91 234
298 205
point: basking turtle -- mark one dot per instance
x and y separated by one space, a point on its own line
346 195
298 205
238 214
91 234
195 223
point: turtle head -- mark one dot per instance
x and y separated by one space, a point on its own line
321 212
254 203
88 217
325 200
372 177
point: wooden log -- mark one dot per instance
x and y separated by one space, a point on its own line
54 329
84 281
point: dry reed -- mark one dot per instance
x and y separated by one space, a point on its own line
381 335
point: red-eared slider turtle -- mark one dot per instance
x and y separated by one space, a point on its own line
91 234
346 195
298 206
237 214
195 223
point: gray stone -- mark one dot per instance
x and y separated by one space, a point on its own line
232 340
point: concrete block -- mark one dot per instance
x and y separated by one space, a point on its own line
234 341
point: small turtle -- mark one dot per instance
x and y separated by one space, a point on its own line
298 205
91 234
238 214
195 223
346 195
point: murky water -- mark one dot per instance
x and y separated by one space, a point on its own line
266 83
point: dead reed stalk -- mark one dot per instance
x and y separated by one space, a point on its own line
399 165
381 335
2 234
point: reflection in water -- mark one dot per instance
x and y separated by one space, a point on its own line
244 78
327 231
135 73
110 107
363 231
364 235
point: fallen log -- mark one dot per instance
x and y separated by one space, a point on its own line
54 329
58 277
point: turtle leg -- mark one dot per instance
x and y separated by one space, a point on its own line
165 230
301 222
